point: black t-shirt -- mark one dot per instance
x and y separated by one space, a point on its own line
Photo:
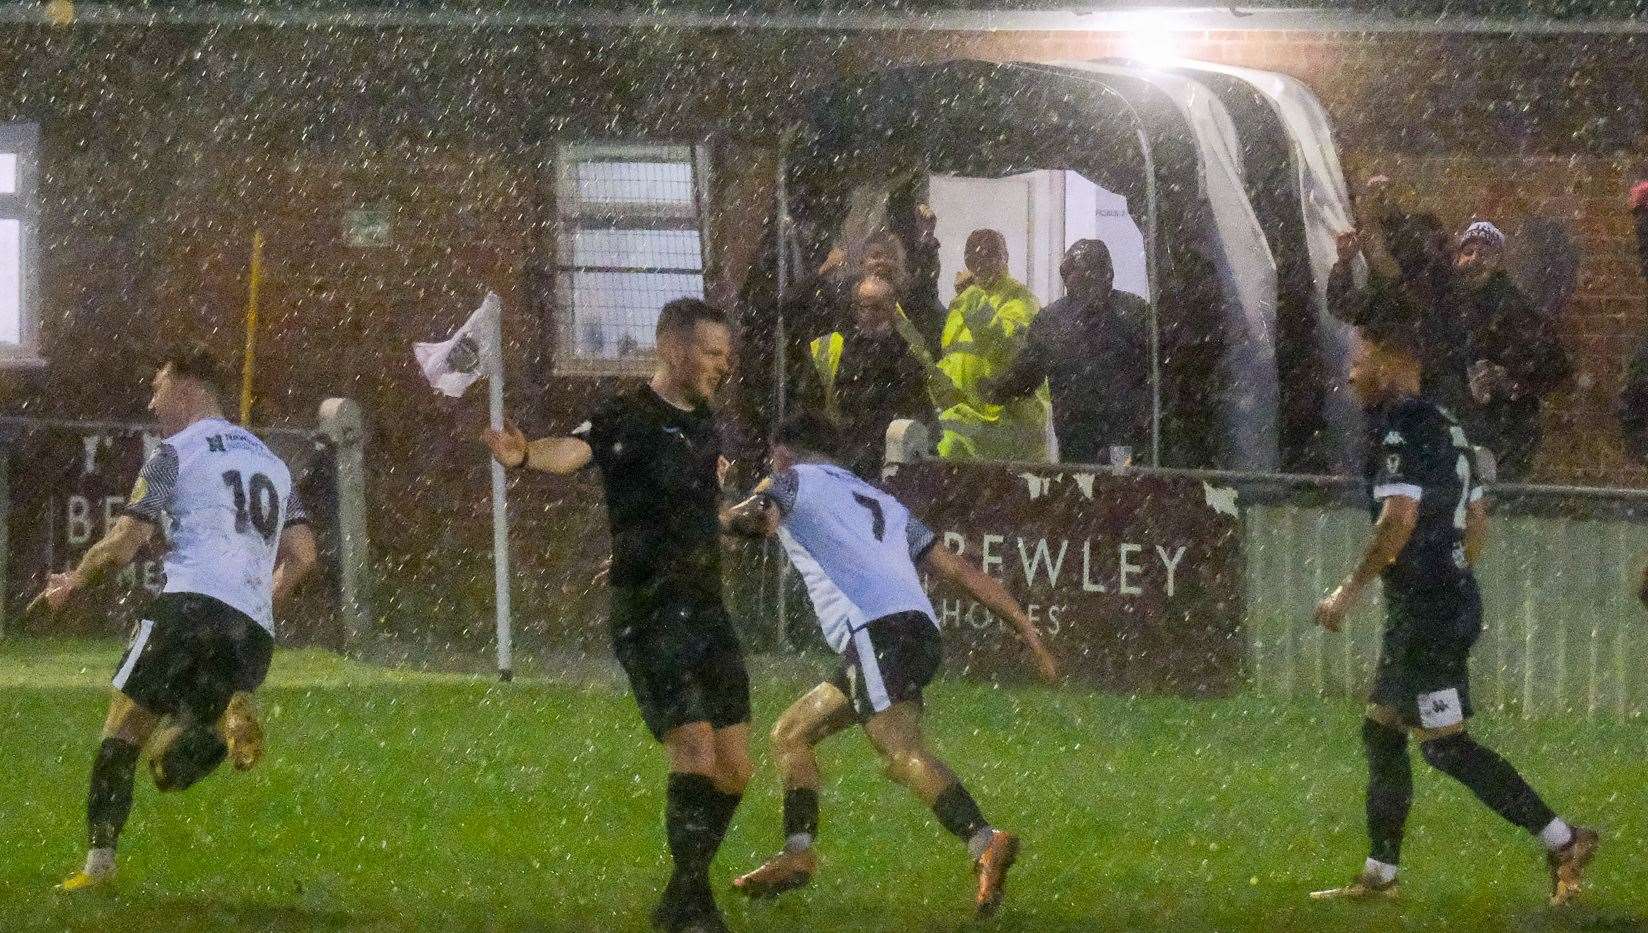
658 466
1419 450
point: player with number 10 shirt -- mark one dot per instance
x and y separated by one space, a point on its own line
237 542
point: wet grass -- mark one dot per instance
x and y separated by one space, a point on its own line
400 801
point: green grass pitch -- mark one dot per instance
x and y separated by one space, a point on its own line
409 801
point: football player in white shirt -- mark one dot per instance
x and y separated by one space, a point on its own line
858 550
238 542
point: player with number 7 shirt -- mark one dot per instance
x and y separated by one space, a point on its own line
858 549
237 543
1430 522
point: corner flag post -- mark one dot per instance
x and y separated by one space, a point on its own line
500 506
474 352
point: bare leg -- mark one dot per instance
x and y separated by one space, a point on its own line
896 734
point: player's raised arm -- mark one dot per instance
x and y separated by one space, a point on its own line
990 592
562 456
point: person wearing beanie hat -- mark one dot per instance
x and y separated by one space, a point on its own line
1515 358
1483 231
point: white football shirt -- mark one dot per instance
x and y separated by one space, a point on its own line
854 545
222 498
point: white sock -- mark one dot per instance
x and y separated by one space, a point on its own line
1379 871
1556 834
980 842
99 861
799 842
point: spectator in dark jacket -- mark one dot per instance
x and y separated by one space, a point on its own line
1516 360
1633 400
865 376
1093 349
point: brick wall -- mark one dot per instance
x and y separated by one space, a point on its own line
164 148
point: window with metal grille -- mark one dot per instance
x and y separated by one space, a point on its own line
628 239
19 248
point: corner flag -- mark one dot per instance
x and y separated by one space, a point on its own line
452 365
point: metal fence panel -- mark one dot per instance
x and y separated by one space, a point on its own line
1564 634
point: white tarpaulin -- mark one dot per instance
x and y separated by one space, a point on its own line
1242 256
1326 205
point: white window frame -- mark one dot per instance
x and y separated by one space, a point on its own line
565 158
23 205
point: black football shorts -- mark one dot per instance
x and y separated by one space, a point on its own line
683 660
189 654
1424 669
890 660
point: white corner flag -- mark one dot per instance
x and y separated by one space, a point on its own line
452 365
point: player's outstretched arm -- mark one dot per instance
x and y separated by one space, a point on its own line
994 597
755 517
294 560
114 550
1390 535
562 456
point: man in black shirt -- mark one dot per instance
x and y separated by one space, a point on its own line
1430 522
1093 348
658 452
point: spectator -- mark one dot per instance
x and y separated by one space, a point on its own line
1093 348
983 334
912 270
919 294
1409 275
1515 357
1633 400
867 377
822 302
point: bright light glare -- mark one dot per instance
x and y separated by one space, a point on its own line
1151 39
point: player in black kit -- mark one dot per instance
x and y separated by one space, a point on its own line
658 454
1429 526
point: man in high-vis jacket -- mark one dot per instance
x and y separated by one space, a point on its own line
985 331
867 376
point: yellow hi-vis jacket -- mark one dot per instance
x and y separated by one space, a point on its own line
826 356
984 333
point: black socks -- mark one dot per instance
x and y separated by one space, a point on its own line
696 817
800 813
957 813
1491 778
109 800
1390 789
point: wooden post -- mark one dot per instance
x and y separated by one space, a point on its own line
249 363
